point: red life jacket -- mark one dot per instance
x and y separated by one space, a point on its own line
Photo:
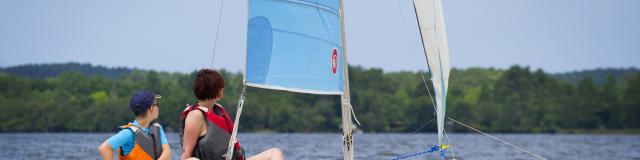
213 145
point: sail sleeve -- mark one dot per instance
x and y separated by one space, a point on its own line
294 45
434 39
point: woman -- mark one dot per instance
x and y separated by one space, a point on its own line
205 128
141 139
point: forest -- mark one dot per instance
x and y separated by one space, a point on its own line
74 97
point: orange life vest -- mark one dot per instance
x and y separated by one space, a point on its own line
146 147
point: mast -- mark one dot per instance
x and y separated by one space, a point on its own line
234 132
347 138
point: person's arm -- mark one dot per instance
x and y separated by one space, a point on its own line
106 151
166 152
192 128
272 154
166 149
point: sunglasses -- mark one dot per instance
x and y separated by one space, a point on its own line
157 97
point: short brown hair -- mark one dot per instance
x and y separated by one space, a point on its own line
207 84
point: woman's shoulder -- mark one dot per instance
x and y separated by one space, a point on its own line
188 110
196 114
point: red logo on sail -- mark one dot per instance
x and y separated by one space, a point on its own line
334 61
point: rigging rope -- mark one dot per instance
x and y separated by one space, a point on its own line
434 148
215 41
450 144
495 138
416 130
354 114
415 59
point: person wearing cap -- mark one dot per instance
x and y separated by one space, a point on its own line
142 138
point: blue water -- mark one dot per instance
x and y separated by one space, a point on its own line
368 146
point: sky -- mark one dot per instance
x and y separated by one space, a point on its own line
178 36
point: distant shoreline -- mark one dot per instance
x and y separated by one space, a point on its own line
84 98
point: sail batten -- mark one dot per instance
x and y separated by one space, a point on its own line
293 89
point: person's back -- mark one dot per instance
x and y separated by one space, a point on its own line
205 128
218 131
142 138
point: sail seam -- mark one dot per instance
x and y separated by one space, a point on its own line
265 86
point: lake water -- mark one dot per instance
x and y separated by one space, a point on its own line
368 146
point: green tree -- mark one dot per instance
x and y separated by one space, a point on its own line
631 103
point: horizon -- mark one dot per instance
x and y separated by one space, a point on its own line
351 65
178 36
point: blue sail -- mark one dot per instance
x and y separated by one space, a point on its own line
294 45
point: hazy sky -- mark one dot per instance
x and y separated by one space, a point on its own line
555 35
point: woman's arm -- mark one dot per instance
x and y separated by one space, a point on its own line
192 129
105 150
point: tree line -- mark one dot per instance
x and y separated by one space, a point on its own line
517 99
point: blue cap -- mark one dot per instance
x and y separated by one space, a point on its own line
141 102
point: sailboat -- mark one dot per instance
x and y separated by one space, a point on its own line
300 46
436 49
430 17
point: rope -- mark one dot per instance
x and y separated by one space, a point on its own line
411 155
497 139
354 114
428 91
424 125
450 144
215 41
415 59
431 150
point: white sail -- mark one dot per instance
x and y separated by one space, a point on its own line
434 39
